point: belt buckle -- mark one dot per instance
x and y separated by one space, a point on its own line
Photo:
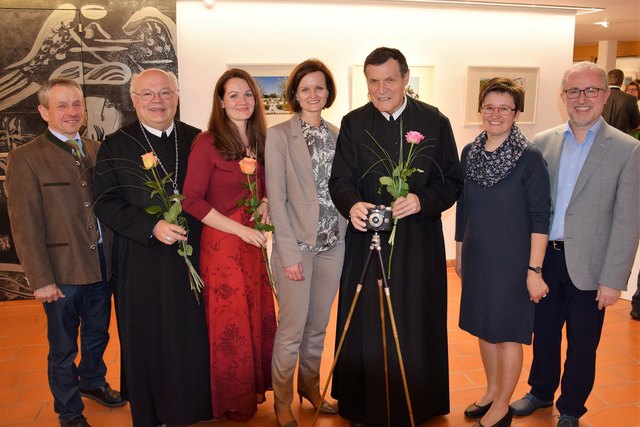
557 245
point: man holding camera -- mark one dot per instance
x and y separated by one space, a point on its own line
418 281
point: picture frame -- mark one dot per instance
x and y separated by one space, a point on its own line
271 80
629 76
3 166
421 78
527 76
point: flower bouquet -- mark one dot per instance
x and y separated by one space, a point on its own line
396 182
171 211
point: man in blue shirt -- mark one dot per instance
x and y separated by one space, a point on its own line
594 174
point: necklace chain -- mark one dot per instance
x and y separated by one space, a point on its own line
174 182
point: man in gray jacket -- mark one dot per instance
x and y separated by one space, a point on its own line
594 172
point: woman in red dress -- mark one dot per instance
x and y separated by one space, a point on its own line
237 297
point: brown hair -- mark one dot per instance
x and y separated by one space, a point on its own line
502 85
307 67
227 136
635 83
43 92
382 54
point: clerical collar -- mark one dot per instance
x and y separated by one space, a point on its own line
396 113
157 132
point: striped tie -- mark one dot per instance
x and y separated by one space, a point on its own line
75 148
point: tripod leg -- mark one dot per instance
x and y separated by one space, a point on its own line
400 360
384 350
347 323
394 329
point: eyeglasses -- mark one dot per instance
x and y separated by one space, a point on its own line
503 110
590 92
149 95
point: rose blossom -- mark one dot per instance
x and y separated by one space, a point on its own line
414 137
149 160
247 165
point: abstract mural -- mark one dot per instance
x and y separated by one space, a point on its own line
99 45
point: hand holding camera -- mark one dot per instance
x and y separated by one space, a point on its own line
367 216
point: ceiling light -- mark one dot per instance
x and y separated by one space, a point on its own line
603 24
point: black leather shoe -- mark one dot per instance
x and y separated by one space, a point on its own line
79 421
568 421
476 411
358 423
528 404
105 396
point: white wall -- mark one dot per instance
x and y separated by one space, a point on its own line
342 35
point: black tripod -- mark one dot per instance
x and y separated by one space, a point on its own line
382 279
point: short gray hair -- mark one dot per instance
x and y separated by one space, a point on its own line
585 66
170 75
43 92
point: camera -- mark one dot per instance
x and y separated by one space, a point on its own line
379 219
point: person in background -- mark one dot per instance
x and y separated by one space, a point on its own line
418 273
595 175
621 109
63 250
237 297
309 234
504 204
162 328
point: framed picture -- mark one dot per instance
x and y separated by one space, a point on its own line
271 80
476 76
629 76
420 85
3 166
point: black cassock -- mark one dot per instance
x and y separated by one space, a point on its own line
163 336
418 281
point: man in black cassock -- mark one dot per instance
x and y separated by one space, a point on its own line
418 282
163 336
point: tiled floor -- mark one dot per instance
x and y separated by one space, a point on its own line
25 399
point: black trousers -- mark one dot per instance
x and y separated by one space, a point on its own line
578 310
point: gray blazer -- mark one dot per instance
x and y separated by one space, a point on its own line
601 228
293 199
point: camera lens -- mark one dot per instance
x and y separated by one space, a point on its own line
375 219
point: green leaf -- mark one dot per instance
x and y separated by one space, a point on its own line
153 210
386 180
189 250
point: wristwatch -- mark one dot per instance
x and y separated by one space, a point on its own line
537 270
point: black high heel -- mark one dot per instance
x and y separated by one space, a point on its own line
476 411
502 422
325 408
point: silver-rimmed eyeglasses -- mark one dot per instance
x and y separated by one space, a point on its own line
503 110
149 95
590 92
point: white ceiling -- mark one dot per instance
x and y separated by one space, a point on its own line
623 16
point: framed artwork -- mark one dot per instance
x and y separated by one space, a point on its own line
3 166
476 76
629 76
272 81
420 85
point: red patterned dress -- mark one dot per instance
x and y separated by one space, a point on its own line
237 297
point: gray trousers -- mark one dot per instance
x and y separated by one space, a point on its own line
303 313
